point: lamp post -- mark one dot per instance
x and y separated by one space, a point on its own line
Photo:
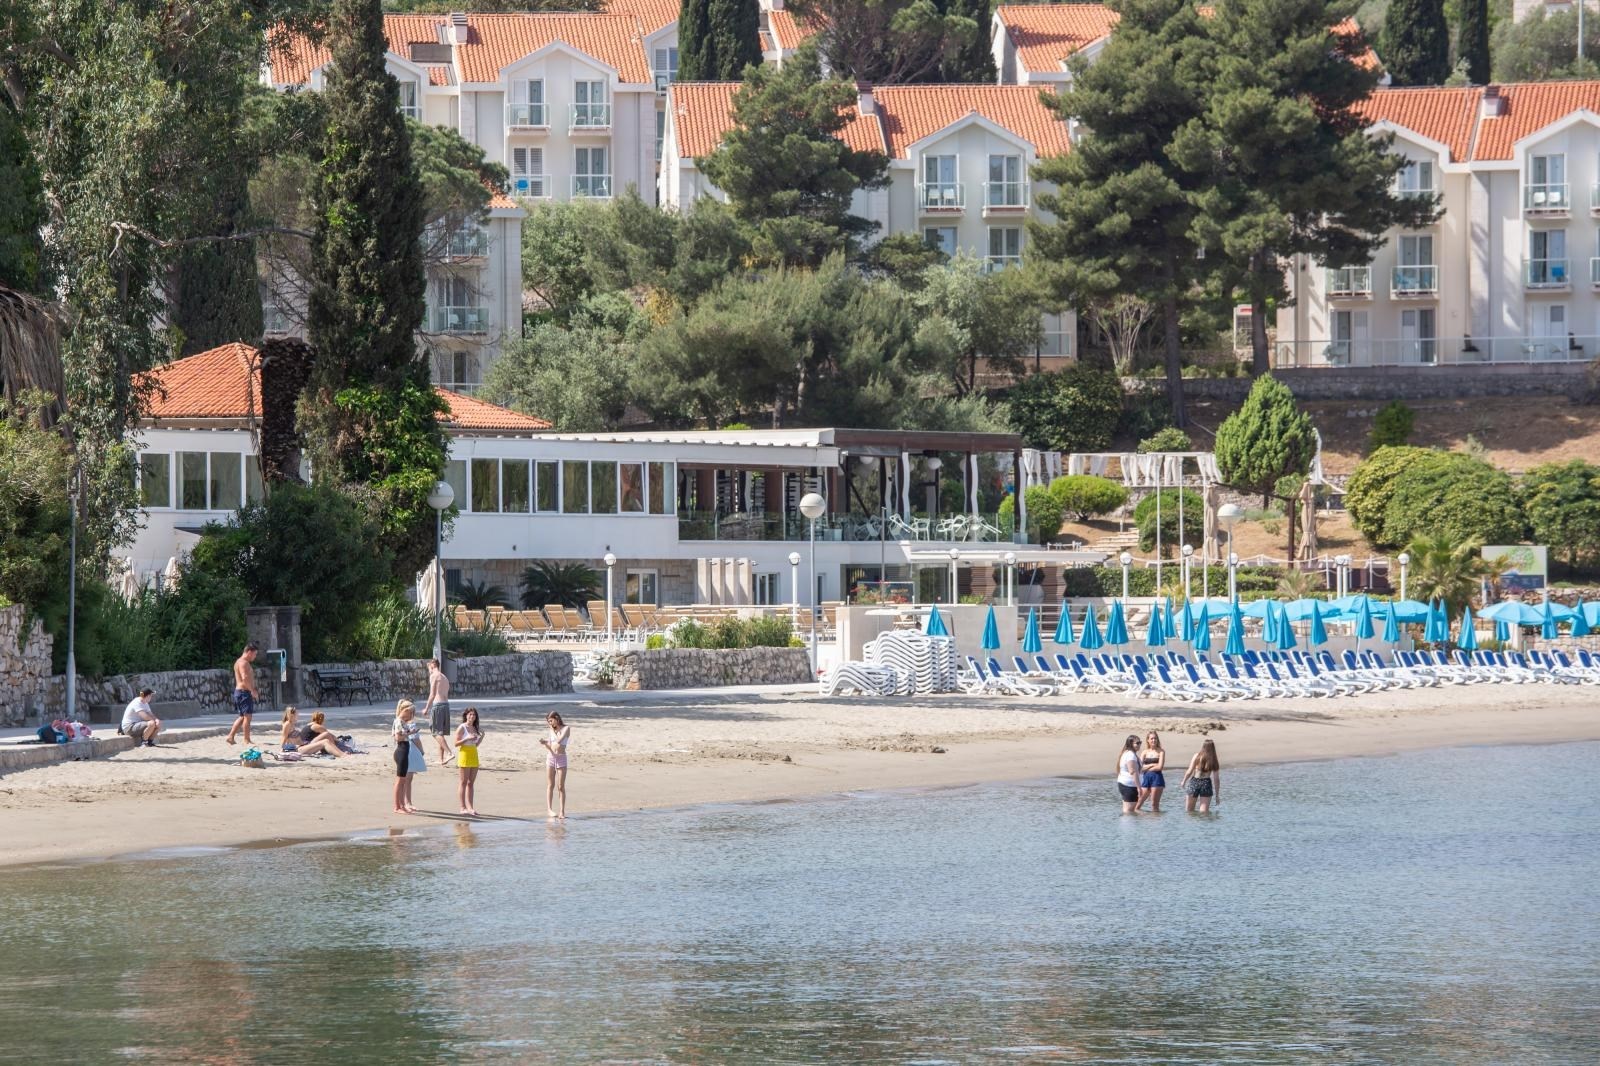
794 585
1227 515
1126 560
1188 554
72 597
610 561
1405 564
934 463
955 557
1011 579
440 500
1343 563
812 506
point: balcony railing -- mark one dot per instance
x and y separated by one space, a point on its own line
1005 195
527 116
665 78
1350 281
1001 262
942 196
1434 351
459 320
530 186
953 528
1417 191
469 242
1546 274
591 186
1415 280
1547 199
593 116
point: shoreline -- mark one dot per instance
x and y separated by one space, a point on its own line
664 754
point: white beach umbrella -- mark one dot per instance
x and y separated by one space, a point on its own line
171 574
130 583
428 590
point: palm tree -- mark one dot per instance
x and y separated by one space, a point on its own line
569 584
480 596
30 356
1442 568
1301 585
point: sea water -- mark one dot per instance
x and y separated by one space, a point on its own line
1441 907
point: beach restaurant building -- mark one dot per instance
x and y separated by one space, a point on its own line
691 516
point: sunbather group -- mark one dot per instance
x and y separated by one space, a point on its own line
1141 776
313 738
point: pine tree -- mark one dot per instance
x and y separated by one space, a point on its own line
1121 205
970 58
1266 446
736 28
1416 42
217 299
370 412
1473 39
697 53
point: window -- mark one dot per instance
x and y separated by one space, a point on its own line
255 490
767 589
575 487
1006 187
515 495
589 107
1416 178
603 488
155 479
227 481
659 487
642 586
192 481
1005 247
1418 335
666 67
630 479
463 368
661 131
1547 170
486 485
1547 257
408 100
547 485
1349 337
940 237
941 188
527 103
455 475
1416 271
456 308
527 173
591 174
1548 321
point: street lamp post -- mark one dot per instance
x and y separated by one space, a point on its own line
1227 515
812 506
794 585
1233 576
934 465
1126 560
1343 563
610 561
1188 554
1405 564
440 500
955 557
1011 579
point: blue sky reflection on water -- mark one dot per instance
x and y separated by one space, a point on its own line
1433 908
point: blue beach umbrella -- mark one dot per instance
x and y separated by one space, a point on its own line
1201 637
1091 632
1580 622
1064 626
1468 638
1235 642
1391 624
1437 631
1030 635
1269 621
1547 622
1169 621
1502 632
1155 634
991 633
1364 630
1319 632
1286 638
1513 613
1116 626
1186 620
936 626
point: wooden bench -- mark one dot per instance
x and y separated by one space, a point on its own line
340 685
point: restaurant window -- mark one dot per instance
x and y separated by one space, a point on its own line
192 481
255 491
604 487
575 487
631 478
546 488
455 475
658 488
227 481
514 494
155 479
486 485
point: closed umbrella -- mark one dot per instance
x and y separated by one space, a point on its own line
1467 640
936 627
1319 632
1155 633
1116 626
1364 630
1580 622
991 633
1391 624
1235 642
1269 622
1064 626
1186 619
1091 632
1030 635
428 589
1169 621
1547 622
1437 630
1202 629
1286 638
1502 632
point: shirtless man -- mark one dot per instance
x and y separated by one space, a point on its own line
244 692
439 704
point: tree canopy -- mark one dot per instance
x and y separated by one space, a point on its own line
1416 42
718 39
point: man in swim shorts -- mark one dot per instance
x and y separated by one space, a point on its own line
244 692
439 706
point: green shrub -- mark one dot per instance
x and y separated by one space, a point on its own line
1254 582
1170 439
392 627
655 642
1453 495
1073 410
769 632
687 633
1144 518
1371 486
725 633
1144 413
1085 495
1392 425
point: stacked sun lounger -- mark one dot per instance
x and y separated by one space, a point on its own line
897 664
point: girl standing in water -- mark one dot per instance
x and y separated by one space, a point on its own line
468 735
555 764
1152 782
407 754
1128 775
1202 782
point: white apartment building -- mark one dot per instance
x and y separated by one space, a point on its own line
960 157
1510 272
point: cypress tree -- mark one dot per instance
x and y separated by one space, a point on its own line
736 29
1416 42
1473 39
696 49
21 207
370 411
970 58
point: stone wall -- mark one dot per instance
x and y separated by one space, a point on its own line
667 668
24 667
1385 383
533 673
211 689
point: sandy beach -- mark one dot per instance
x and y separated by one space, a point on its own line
644 750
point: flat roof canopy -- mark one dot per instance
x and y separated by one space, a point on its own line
995 554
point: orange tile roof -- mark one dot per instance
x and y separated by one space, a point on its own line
652 14
1045 34
1446 115
440 74
496 41
789 32
912 112
703 115
292 57
1530 107
225 383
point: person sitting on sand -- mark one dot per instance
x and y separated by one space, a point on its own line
1202 781
139 721
314 738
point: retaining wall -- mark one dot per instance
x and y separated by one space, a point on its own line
1384 383
667 668
24 667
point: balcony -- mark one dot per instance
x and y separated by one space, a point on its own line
941 197
1546 274
856 528
1450 351
458 320
1547 200
530 186
468 242
1417 192
664 78
527 117
996 263
591 186
590 118
1415 280
1349 281
1002 197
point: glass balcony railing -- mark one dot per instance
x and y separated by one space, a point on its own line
1548 199
1005 195
942 196
530 186
533 116
708 525
469 242
1350 281
1546 274
593 116
459 320
1415 280
1001 262
591 187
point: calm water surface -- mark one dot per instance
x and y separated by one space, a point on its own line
1439 908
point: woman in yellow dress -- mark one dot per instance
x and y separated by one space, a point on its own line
469 734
